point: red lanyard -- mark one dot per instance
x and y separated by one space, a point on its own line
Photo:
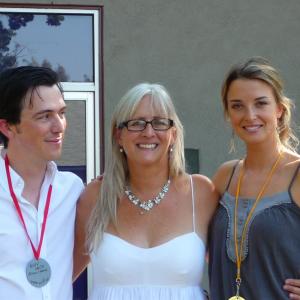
15 200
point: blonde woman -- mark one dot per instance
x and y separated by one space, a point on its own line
147 218
255 240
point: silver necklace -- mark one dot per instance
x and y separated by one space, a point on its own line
148 204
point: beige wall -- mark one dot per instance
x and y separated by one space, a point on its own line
188 46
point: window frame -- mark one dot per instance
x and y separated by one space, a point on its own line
95 87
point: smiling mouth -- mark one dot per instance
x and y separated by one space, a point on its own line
147 146
252 128
55 141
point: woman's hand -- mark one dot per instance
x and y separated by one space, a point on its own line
293 287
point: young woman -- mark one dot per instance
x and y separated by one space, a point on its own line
255 240
148 218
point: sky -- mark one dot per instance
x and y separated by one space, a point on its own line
69 44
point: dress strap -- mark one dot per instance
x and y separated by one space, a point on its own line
193 203
293 178
231 175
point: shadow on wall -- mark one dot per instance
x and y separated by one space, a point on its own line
192 160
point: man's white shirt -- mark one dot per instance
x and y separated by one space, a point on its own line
57 247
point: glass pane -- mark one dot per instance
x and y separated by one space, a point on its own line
75 137
62 42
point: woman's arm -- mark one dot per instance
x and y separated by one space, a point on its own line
85 206
293 285
223 175
206 201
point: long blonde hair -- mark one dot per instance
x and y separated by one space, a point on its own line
116 168
259 68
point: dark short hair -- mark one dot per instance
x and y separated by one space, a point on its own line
15 83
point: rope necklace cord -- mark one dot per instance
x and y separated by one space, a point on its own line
238 252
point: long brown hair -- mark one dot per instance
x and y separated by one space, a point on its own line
260 68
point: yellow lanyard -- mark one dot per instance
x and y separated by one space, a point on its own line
238 252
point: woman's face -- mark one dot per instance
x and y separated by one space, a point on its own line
148 146
253 110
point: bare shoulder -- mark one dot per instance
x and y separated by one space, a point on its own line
85 206
89 196
93 187
222 175
295 188
226 168
203 182
292 159
205 191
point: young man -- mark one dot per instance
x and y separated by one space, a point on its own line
37 202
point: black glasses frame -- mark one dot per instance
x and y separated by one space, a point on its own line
125 124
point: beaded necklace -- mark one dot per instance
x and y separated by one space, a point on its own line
147 205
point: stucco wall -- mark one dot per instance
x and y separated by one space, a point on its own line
188 46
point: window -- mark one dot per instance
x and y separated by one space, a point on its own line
63 42
70 42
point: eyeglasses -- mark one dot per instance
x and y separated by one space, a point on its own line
159 124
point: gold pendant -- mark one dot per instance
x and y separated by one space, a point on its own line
236 298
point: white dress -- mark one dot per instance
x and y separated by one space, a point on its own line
170 271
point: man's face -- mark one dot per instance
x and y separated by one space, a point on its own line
41 129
